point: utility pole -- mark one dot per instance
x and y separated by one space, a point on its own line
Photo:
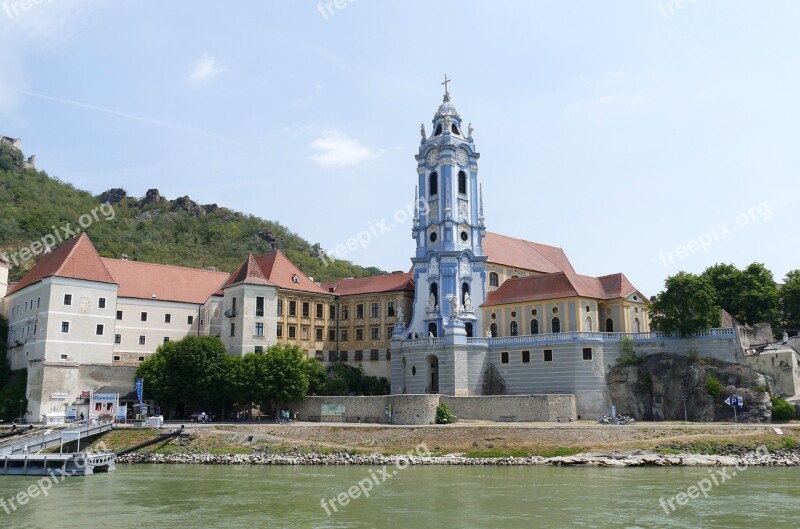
685 414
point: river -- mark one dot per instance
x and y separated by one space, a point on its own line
231 497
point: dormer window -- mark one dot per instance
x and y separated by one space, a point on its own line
438 130
295 279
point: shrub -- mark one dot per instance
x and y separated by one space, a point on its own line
713 386
781 410
444 415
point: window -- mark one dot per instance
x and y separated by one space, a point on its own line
259 306
359 311
67 299
376 310
359 334
117 338
64 357
318 334
345 312
119 314
433 184
292 308
279 331
166 339
637 326
493 330
320 310
304 333
343 356
99 329
332 312
143 316
233 307
513 328
38 302
534 326
306 309
547 355
374 354
332 335
101 303
190 319
233 329
389 332
504 357
258 349
609 325
65 327
468 329
388 354
390 309
359 356
494 279
280 307
292 331
259 329
141 359
167 318
587 353
345 335
462 183
332 356
375 333
142 340
320 356
117 358
556 325
526 357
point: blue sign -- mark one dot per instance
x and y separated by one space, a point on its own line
140 389
735 400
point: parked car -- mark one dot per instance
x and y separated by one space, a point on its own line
200 416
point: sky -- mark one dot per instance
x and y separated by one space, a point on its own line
644 137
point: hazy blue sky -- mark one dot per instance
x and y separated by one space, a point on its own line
622 131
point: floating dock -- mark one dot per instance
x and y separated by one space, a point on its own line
80 464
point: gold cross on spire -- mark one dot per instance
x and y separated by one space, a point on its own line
446 93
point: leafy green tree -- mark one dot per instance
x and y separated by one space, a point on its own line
12 383
790 300
686 306
728 282
749 295
190 371
283 374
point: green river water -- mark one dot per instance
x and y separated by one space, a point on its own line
173 496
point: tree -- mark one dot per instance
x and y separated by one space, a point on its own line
790 300
190 371
749 295
283 374
728 282
686 306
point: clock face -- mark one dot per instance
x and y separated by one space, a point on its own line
433 157
461 157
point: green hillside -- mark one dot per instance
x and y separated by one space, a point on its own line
152 229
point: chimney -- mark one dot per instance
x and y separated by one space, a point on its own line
124 257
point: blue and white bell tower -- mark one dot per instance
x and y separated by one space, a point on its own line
449 230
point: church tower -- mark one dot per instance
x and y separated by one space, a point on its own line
448 229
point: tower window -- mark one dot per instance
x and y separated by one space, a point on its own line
464 236
433 184
433 237
462 183
493 279
454 129
438 130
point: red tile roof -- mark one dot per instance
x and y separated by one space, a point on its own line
76 259
560 285
526 255
164 282
279 270
248 273
369 285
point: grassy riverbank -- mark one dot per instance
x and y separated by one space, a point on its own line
472 440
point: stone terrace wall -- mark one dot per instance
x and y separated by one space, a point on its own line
522 408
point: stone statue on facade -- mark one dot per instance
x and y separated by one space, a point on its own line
422 131
488 332
432 306
454 312
400 319
470 130
433 269
467 303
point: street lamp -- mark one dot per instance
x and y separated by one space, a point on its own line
685 415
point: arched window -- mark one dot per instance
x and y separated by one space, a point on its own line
493 330
462 183
454 129
637 327
493 279
556 325
433 329
438 130
609 325
534 326
588 323
513 328
464 292
468 328
433 184
435 293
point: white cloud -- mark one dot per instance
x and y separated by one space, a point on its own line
205 68
334 149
